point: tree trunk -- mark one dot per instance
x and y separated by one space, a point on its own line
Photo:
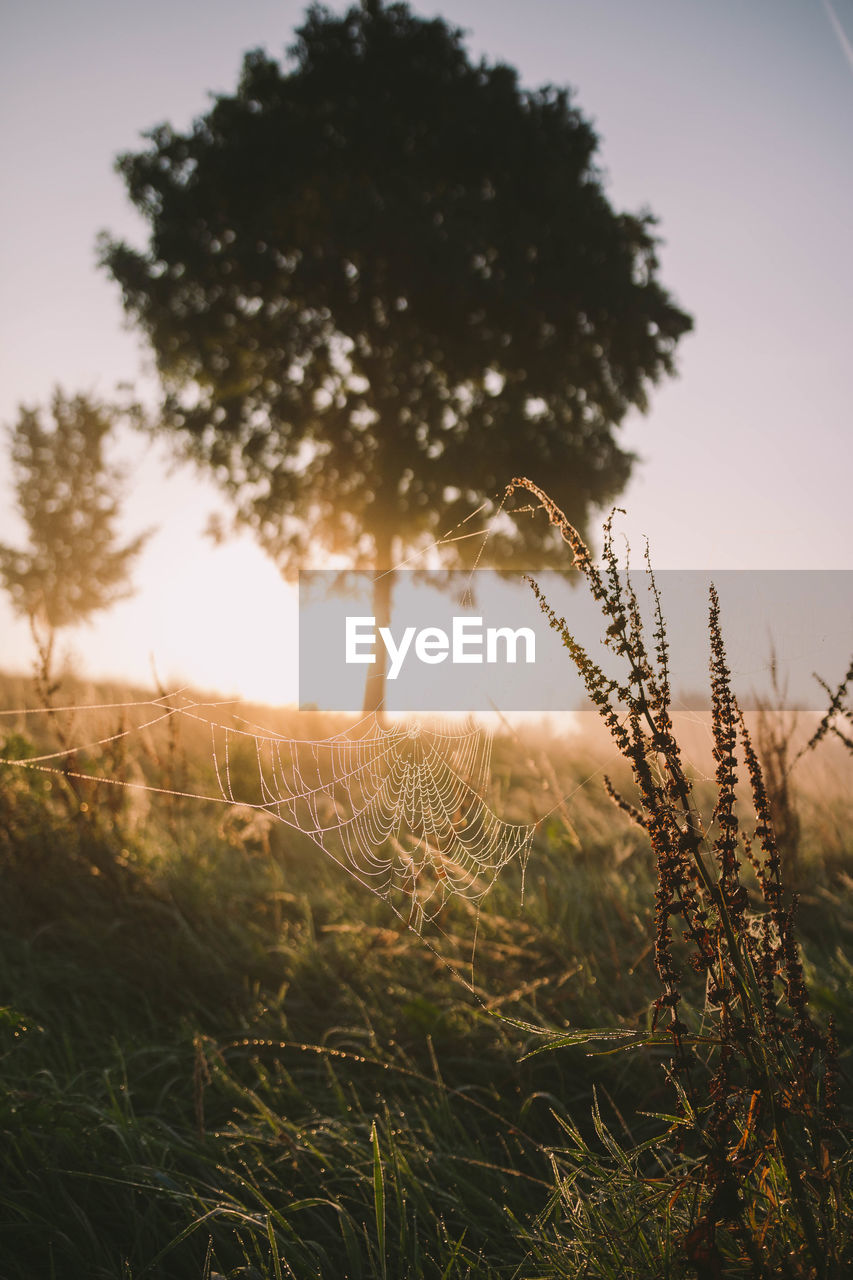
374 691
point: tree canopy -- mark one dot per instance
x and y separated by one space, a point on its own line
68 495
381 281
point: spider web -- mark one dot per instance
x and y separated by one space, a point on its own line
401 808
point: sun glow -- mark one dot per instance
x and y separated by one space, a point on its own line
221 620
227 622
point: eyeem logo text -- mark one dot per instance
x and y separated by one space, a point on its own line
467 642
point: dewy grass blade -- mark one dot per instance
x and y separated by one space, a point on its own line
276 1260
379 1199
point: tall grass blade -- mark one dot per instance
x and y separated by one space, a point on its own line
379 1199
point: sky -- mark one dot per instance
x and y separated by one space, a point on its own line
731 122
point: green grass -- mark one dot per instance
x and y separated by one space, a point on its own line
220 1056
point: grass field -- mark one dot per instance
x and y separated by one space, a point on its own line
222 1056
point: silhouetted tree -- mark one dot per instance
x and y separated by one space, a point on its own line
381 283
68 496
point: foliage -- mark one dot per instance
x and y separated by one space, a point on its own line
755 1080
158 1099
68 495
224 1059
379 281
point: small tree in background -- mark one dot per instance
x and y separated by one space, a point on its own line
383 282
68 495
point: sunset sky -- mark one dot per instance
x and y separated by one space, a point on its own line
731 121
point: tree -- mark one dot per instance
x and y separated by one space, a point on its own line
68 496
383 282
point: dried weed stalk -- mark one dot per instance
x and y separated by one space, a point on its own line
838 719
756 1081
